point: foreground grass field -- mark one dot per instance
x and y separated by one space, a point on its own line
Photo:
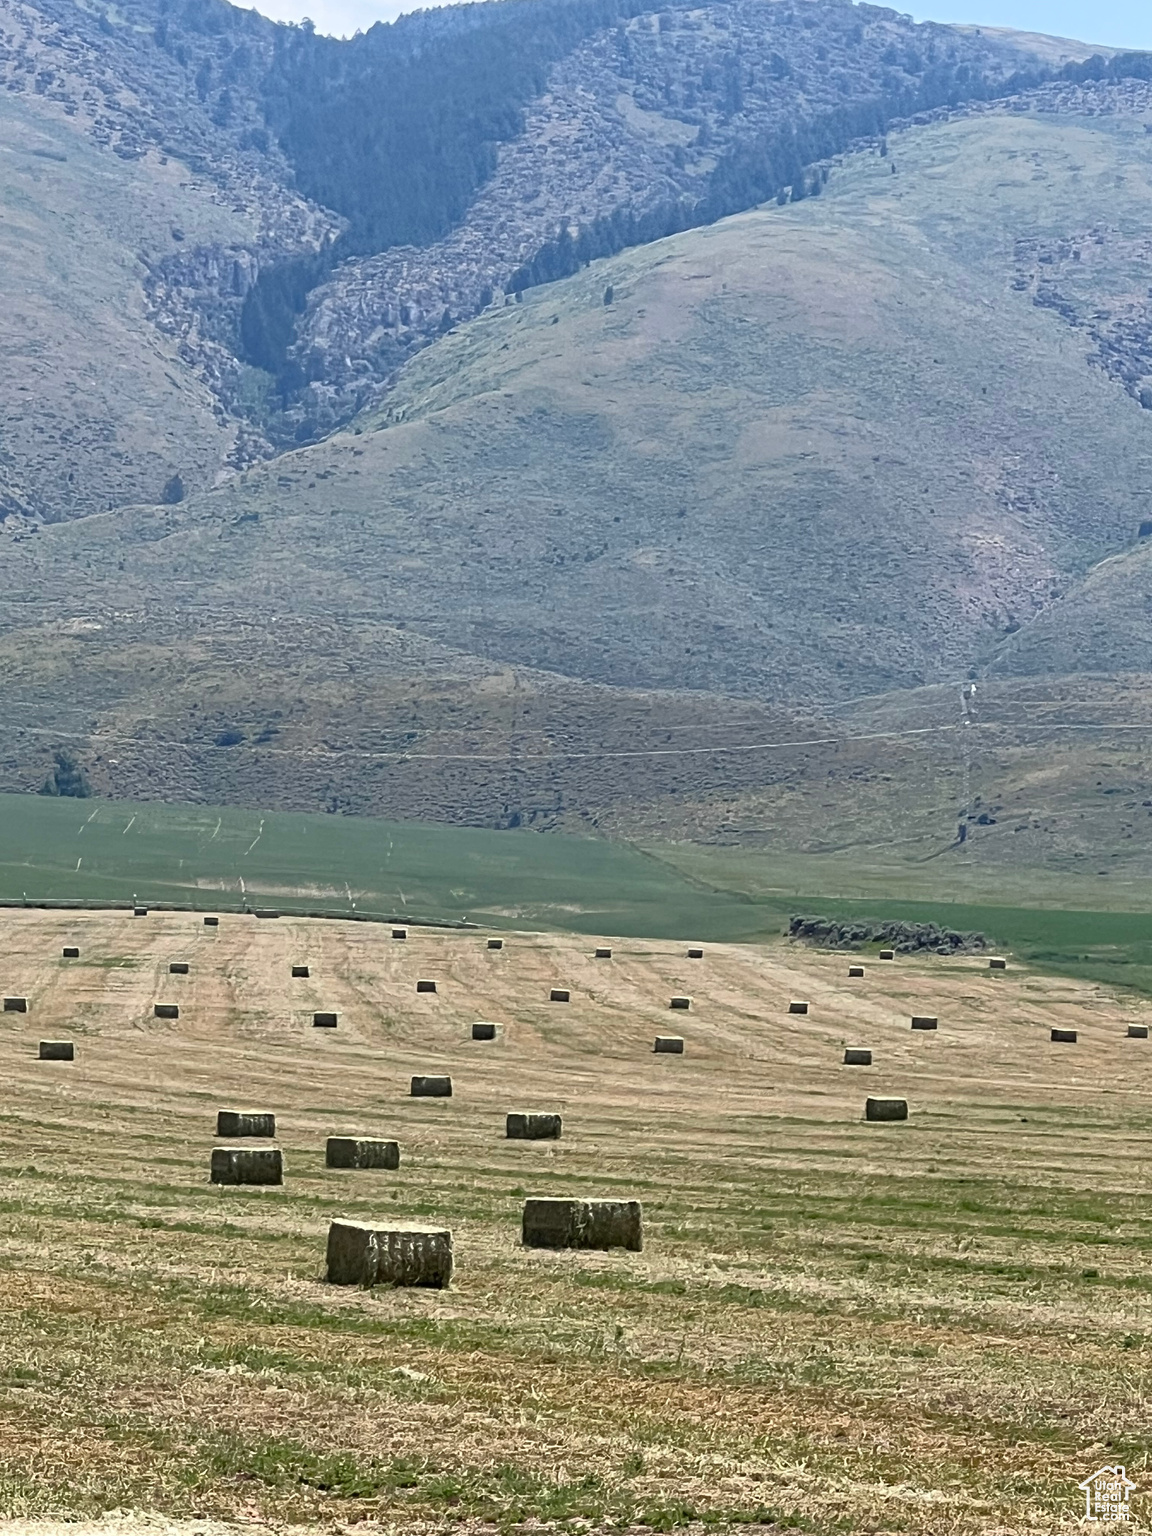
216 855
938 1327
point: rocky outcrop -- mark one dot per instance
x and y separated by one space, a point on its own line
906 938
647 119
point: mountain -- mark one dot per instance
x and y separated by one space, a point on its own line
685 534
291 217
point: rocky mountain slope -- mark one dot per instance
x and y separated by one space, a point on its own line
349 202
701 539
849 446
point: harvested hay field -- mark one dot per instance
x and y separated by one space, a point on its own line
937 1326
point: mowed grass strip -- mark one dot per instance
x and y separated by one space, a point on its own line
935 1327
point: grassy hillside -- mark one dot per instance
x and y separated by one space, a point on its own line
819 450
833 449
97 407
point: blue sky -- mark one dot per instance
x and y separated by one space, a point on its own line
1115 23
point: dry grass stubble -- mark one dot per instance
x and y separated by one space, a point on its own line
936 1327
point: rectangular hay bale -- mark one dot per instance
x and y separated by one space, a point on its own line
399 933
482 1030
695 954
855 970
1064 1036
887 954
211 922
361 1152
57 1050
495 943
559 995
425 986
1137 1031
924 1021
166 1011
360 1254
562 1223
178 968
682 1003
431 1088
245 1122
247 1165
325 1020
669 1045
71 952
15 1005
139 911
300 972
857 1058
797 1007
533 1126
603 954
886 1109
997 965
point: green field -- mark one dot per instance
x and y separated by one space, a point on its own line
217 857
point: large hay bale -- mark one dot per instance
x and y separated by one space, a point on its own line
483 1030
266 912
669 1045
1137 1031
139 911
300 972
495 943
431 1088
247 1165
245 1122
559 995
797 1007
71 952
855 970
425 986
325 1020
15 1005
603 954
399 933
359 1254
695 954
886 1109
533 1126
682 1003
1064 1036
57 1050
887 954
166 1011
178 968
553 1223
361 1152
997 965
924 1021
211 922
857 1058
